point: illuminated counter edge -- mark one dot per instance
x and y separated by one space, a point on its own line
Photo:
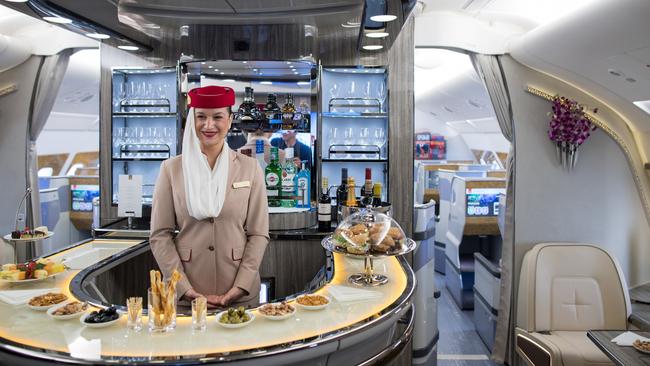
377 322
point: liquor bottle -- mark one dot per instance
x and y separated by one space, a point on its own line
287 198
366 190
324 208
342 190
303 193
351 201
272 111
259 153
376 195
272 175
248 110
305 112
288 111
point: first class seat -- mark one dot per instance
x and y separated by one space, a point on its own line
566 289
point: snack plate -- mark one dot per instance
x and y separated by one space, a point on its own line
97 325
330 244
234 326
50 312
313 307
277 317
640 349
31 279
45 307
49 233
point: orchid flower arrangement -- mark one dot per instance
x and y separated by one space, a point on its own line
569 124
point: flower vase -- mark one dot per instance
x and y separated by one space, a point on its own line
567 154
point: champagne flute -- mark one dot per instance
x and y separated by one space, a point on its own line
380 140
351 94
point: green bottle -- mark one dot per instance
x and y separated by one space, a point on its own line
272 175
287 197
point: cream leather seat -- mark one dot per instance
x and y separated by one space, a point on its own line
566 289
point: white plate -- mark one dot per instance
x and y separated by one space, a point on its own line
277 317
46 307
50 312
233 326
49 233
31 279
314 307
97 325
640 349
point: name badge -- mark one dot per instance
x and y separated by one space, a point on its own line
243 184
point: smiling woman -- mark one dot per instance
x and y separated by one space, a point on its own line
211 193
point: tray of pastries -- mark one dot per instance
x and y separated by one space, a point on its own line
28 234
369 233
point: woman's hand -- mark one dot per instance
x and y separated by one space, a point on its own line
226 299
191 295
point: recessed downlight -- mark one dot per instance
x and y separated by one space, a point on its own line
350 25
377 35
128 48
58 20
372 47
302 83
383 18
228 80
266 82
17 1
98 35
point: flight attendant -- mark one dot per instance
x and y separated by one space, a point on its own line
216 198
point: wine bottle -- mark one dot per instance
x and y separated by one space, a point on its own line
376 195
342 190
272 175
366 190
352 199
324 208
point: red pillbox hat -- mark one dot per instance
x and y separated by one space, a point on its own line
211 97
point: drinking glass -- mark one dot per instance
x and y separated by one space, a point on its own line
199 311
134 313
334 139
381 94
348 139
367 95
161 311
334 93
352 93
118 141
380 140
364 135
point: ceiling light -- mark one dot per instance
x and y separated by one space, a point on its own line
383 18
210 66
288 62
222 73
266 82
128 48
372 47
58 20
202 63
228 80
377 35
301 83
98 35
244 62
349 26
254 70
215 70
17 1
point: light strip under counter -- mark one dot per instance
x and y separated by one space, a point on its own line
35 333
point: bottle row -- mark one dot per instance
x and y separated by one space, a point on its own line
271 116
286 186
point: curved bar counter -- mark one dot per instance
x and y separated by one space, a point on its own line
366 332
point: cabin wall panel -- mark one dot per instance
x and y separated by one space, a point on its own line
14 111
401 126
596 203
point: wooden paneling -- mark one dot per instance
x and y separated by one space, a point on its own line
401 126
54 161
481 226
494 183
496 174
87 159
434 167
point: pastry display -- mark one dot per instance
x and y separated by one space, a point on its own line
235 316
31 270
277 310
312 300
369 232
27 233
102 316
643 346
48 299
162 307
71 308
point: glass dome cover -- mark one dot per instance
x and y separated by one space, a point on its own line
369 232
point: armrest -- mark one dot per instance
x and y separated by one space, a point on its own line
534 351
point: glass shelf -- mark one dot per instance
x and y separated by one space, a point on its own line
144 114
139 159
354 160
354 115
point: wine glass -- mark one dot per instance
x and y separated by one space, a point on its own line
118 141
367 95
381 94
351 94
380 140
334 93
335 139
363 140
348 139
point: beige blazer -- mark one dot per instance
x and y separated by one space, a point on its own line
214 254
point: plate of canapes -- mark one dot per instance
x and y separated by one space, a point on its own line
313 301
31 271
277 311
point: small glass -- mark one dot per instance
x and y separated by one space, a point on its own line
199 313
161 311
134 313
